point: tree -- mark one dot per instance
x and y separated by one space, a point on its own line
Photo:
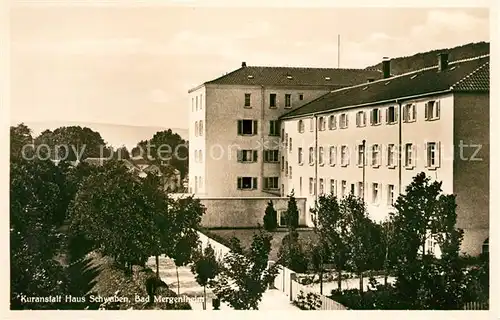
72 143
318 253
424 282
109 210
243 278
20 138
292 212
121 153
206 268
291 254
332 229
360 235
36 215
270 217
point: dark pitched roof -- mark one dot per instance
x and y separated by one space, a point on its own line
464 75
296 76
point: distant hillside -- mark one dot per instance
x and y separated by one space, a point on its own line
429 59
114 134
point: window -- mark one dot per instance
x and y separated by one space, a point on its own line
195 155
271 155
391 156
286 140
247 127
200 156
271 183
333 156
409 162
409 113
196 130
344 156
282 218
361 155
390 194
247 100
196 103
375 193
344 120
320 156
360 190
300 156
300 126
272 100
200 128
282 135
375 155
333 187
343 189
375 117
247 183
192 104
301 97
282 163
247 155
360 119
432 154
311 156
352 189
311 124
201 105
300 186
290 145
432 110
274 128
321 186
322 124
391 115
288 100
332 122
286 168
200 180
290 172
311 186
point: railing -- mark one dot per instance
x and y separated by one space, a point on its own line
286 283
476 305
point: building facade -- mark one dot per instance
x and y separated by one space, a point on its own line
372 139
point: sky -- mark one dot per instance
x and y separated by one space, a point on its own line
134 65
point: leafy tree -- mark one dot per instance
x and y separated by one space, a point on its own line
121 153
332 229
244 277
291 254
20 138
318 254
73 143
360 235
270 217
109 210
292 212
424 282
165 147
205 267
36 215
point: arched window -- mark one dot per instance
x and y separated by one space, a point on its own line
300 126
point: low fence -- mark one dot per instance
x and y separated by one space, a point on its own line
475 305
286 282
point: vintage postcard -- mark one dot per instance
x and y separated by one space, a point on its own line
180 156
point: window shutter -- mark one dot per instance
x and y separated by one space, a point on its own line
239 155
405 113
438 108
240 125
346 120
414 155
414 110
438 154
427 111
396 114
254 183
266 183
255 153
426 152
387 115
371 116
364 118
239 183
254 127
266 155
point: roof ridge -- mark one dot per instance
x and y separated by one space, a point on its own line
469 75
410 72
320 68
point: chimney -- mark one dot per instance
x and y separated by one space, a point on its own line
243 64
442 61
386 67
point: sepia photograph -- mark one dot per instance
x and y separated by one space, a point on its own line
176 156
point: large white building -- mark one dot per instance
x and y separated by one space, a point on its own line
349 141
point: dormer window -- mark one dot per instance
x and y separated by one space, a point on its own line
289 77
328 78
250 77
